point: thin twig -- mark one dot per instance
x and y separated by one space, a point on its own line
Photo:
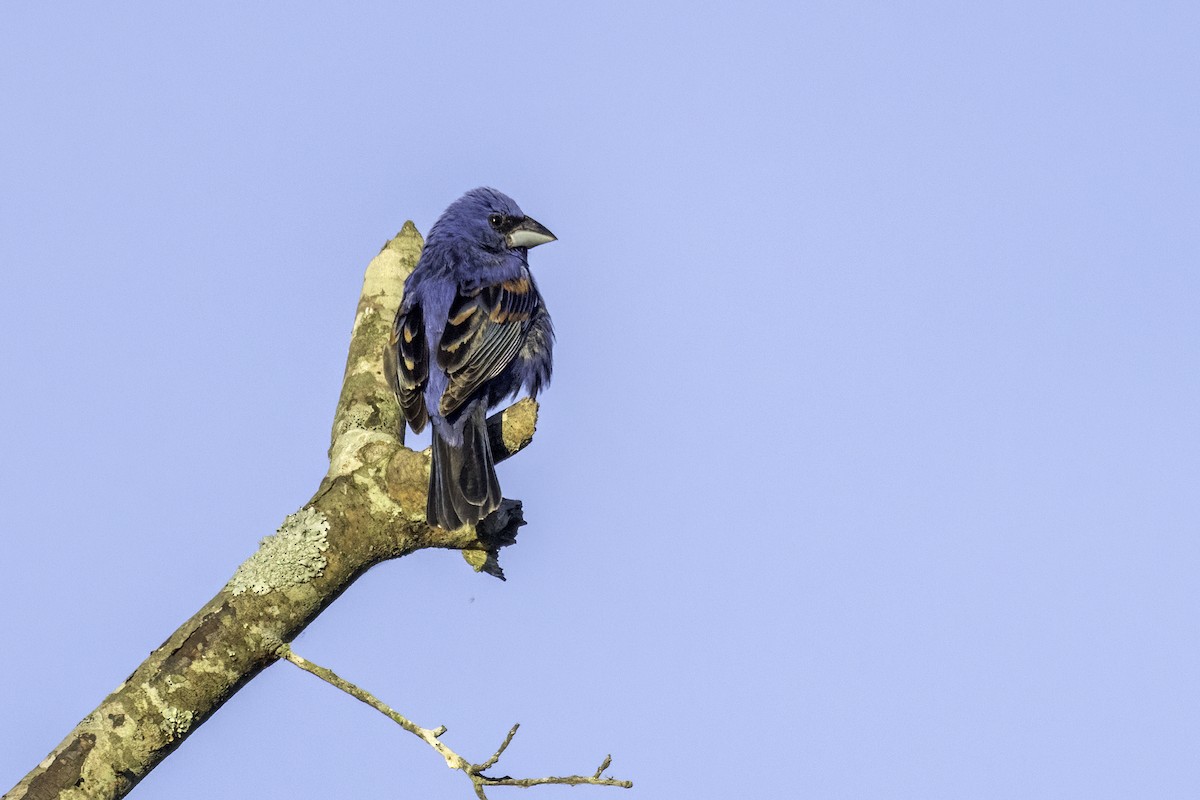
431 737
570 780
491 762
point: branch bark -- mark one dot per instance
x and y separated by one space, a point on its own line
370 507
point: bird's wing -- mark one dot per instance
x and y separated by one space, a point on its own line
484 331
412 366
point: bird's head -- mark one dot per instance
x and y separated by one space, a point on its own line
491 220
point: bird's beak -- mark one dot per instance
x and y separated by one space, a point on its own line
529 233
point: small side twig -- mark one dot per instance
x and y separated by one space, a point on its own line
431 736
491 762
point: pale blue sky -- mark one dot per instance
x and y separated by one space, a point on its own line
869 468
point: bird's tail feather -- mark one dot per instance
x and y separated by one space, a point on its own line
463 487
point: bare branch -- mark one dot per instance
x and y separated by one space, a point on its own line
370 507
430 737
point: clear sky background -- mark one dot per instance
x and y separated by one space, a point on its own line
870 465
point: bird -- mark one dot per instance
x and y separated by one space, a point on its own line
471 331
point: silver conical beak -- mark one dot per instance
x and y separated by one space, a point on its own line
529 233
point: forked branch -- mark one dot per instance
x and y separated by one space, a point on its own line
432 737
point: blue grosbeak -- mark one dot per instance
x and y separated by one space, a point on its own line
471 331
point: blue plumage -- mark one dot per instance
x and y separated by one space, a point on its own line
472 330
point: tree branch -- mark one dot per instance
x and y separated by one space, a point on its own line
432 737
369 507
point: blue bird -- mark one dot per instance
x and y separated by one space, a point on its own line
471 331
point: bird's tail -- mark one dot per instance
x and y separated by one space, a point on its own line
463 487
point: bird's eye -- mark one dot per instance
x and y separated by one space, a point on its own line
494 220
